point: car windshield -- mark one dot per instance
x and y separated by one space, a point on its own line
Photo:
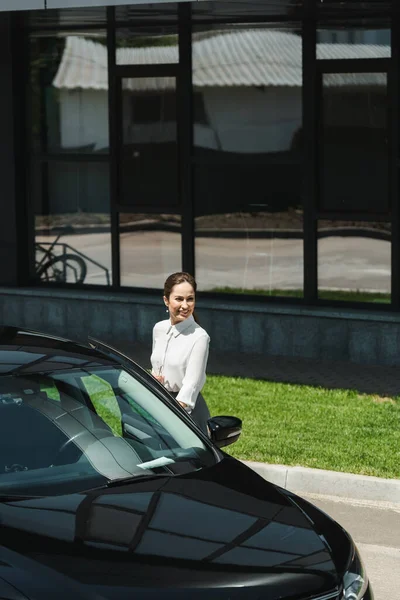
76 430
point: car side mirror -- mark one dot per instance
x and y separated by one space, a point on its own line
224 430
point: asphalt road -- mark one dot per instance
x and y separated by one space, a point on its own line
375 527
147 258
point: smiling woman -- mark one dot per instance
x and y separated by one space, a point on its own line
180 348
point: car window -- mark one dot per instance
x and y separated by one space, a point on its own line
104 401
79 428
49 388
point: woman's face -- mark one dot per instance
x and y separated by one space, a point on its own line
180 302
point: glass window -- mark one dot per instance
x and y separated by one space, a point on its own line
104 401
210 10
148 164
131 14
72 222
151 45
249 229
247 84
354 261
67 17
353 41
354 153
69 175
352 7
69 444
247 106
69 92
150 248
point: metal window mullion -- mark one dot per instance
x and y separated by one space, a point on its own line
152 70
309 101
185 137
394 138
113 97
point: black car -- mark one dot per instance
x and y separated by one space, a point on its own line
108 490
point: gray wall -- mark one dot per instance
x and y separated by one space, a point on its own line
355 336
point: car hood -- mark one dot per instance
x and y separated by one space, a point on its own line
221 530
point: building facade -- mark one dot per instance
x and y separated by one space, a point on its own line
254 144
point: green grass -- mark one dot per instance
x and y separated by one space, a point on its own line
339 430
344 296
104 401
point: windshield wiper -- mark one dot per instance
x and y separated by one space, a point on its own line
133 479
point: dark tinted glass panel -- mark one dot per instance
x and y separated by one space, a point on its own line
249 229
148 165
147 45
334 42
354 261
150 248
247 83
72 222
353 6
235 9
354 169
69 93
68 17
132 14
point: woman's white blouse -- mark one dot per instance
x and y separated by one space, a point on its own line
180 354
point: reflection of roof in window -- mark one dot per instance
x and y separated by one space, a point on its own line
232 58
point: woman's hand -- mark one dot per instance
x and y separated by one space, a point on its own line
159 378
184 406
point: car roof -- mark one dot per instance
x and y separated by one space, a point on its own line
26 351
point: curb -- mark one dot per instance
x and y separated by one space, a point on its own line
329 483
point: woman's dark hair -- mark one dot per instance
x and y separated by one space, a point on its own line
176 279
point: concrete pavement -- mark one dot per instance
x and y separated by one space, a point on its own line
375 528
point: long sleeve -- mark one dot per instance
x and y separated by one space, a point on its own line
195 374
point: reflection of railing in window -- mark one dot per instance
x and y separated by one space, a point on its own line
69 266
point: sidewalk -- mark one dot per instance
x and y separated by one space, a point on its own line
369 379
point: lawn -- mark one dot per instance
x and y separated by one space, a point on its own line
339 430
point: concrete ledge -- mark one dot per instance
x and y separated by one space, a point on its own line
330 483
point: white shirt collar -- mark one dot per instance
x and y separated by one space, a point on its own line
180 327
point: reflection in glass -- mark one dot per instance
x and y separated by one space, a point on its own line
354 261
353 7
150 248
249 229
69 93
231 9
67 17
148 165
247 84
354 170
350 42
131 14
247 123
147 46
72 223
